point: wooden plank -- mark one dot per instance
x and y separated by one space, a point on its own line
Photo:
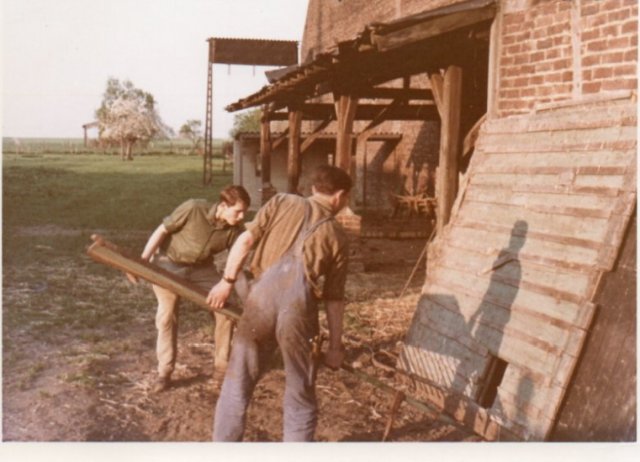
395 93
322 111
525 202
471 137
109 254
593 204
519 272
265 149
585 116
317 132
524 388
529 325
437 84
587 228
607 138
293 153
449 144
488 162
345 107
492 322
502 295
535 248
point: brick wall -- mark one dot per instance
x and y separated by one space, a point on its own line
554 50
609 45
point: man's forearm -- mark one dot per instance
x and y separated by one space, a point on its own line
154 242
238 254
335 315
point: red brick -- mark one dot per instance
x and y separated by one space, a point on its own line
540 33
567 76
544 44
619 84
543 21
590 34
591 60
528 92
513 49
627 69
630 27
634 40
553 78
587 75
562 40
521 82
615 57
631 56
508 40
611 5
562 64
591 87
521 59
522 36
506 60
599 45
630 2
537 56
619 42
536 79
589 9
596 21
603 73
545 90
544 66
619 15
611 30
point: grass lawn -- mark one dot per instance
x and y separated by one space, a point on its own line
52 203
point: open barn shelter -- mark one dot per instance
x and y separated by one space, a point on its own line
518 118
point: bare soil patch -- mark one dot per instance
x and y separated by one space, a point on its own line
79 361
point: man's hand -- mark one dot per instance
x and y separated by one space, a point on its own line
334 357
219 294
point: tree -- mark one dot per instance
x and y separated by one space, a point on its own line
192 131
246 122
128 115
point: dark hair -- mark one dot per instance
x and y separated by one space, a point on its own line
329 180
234 193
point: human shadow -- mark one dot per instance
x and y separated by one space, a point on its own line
457 352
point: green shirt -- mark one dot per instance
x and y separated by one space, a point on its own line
195 235
326 251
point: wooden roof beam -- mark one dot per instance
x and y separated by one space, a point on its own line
321 111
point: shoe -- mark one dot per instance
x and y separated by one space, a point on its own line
161 384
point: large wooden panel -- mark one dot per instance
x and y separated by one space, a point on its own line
540 215
601 402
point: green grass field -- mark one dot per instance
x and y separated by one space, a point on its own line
52 203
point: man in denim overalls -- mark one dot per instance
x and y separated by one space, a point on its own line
297 242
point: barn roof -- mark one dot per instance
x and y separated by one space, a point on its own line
365 51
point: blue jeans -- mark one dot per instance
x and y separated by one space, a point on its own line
283 312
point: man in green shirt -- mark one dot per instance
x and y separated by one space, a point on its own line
185 244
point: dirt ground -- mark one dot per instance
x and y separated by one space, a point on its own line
69 378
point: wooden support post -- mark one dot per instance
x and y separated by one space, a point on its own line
293 158
449 144
265 155
346 106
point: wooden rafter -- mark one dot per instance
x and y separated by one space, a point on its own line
321 111
317 133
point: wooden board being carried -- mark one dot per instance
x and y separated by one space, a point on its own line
109 254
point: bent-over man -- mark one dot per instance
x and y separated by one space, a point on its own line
301 256
185 244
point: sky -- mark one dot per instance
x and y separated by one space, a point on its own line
57 57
